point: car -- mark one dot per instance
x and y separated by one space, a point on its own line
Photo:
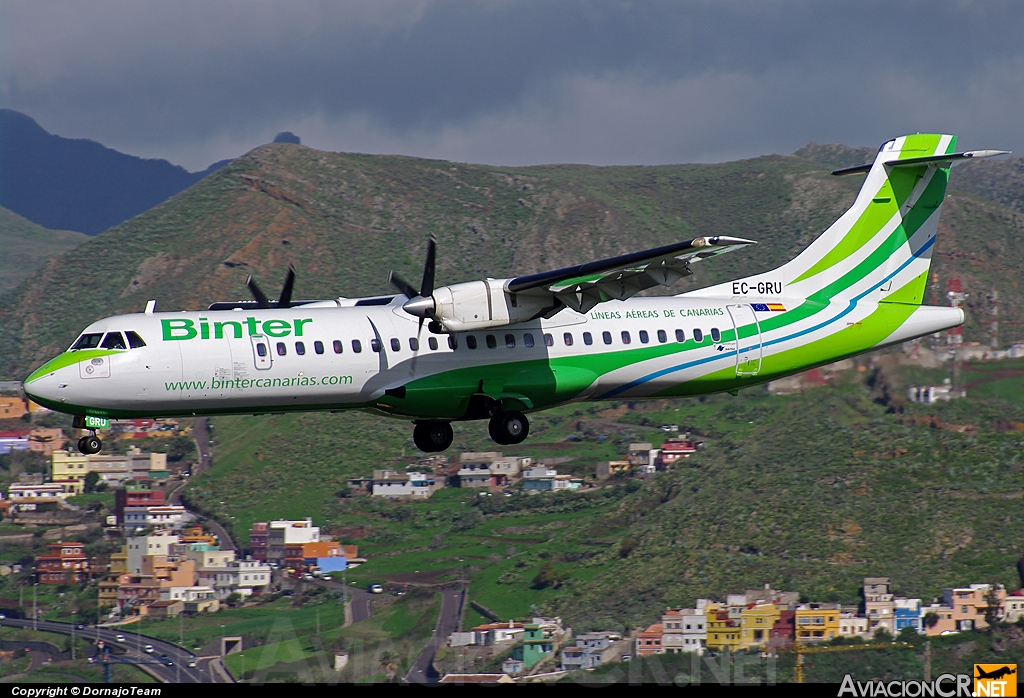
166 661
375 588
307 576
148 649
119 637
80 626
191 664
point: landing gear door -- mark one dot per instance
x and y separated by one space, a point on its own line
748 339
261 352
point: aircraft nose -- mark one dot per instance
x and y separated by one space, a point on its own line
46 384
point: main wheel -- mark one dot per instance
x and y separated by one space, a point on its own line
509 428
433 437
90 445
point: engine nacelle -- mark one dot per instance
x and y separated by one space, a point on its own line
478 305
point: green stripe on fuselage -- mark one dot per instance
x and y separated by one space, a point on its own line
68 358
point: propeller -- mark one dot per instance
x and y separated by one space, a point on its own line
420 304
285 300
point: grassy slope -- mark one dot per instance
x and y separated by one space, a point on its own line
27 246
345 219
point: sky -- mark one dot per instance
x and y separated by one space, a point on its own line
514 83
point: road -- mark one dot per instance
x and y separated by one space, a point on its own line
422 670
133 644
201 432
361 609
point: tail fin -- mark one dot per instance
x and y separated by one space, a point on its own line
881 248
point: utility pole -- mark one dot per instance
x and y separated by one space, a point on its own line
928 660
35 614
72 637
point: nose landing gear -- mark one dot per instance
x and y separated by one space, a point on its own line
90 445
508 428
433 437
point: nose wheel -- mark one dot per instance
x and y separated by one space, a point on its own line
90 445
507 428
433 437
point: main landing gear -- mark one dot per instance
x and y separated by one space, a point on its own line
432 437
91 444
507 428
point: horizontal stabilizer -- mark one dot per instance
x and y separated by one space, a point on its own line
929 160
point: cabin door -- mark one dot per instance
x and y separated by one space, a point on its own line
748 339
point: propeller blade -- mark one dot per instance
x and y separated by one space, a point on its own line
401 284
285 301
427 287
261 299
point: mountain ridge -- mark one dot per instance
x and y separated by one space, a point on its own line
79 184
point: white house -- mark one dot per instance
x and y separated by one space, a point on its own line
162 515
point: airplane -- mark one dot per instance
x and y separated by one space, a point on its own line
499 349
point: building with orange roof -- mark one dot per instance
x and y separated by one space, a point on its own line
649 641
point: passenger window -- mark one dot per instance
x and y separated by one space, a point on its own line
338 347
261 349
644 337
625 337
698 336
470 341
281 349
588 338
88 341
414 344
567 338
606 337
300 348
318 346
453 342
491 341
134 340
528 339
114 340
510 341
662 336
549 341
716 336
680 336
375 345
395 344
357 346
432 343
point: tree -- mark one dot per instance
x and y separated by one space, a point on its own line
389 663
931 619
91 478
548 576
992 604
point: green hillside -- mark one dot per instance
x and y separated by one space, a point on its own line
809 492
344 219
27 246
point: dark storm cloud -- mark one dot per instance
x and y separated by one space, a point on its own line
514 82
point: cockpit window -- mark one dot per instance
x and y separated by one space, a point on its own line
134 340
114 340
87 341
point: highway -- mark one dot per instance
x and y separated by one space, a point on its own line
133 645
422 670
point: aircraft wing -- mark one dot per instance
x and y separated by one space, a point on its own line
617 278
